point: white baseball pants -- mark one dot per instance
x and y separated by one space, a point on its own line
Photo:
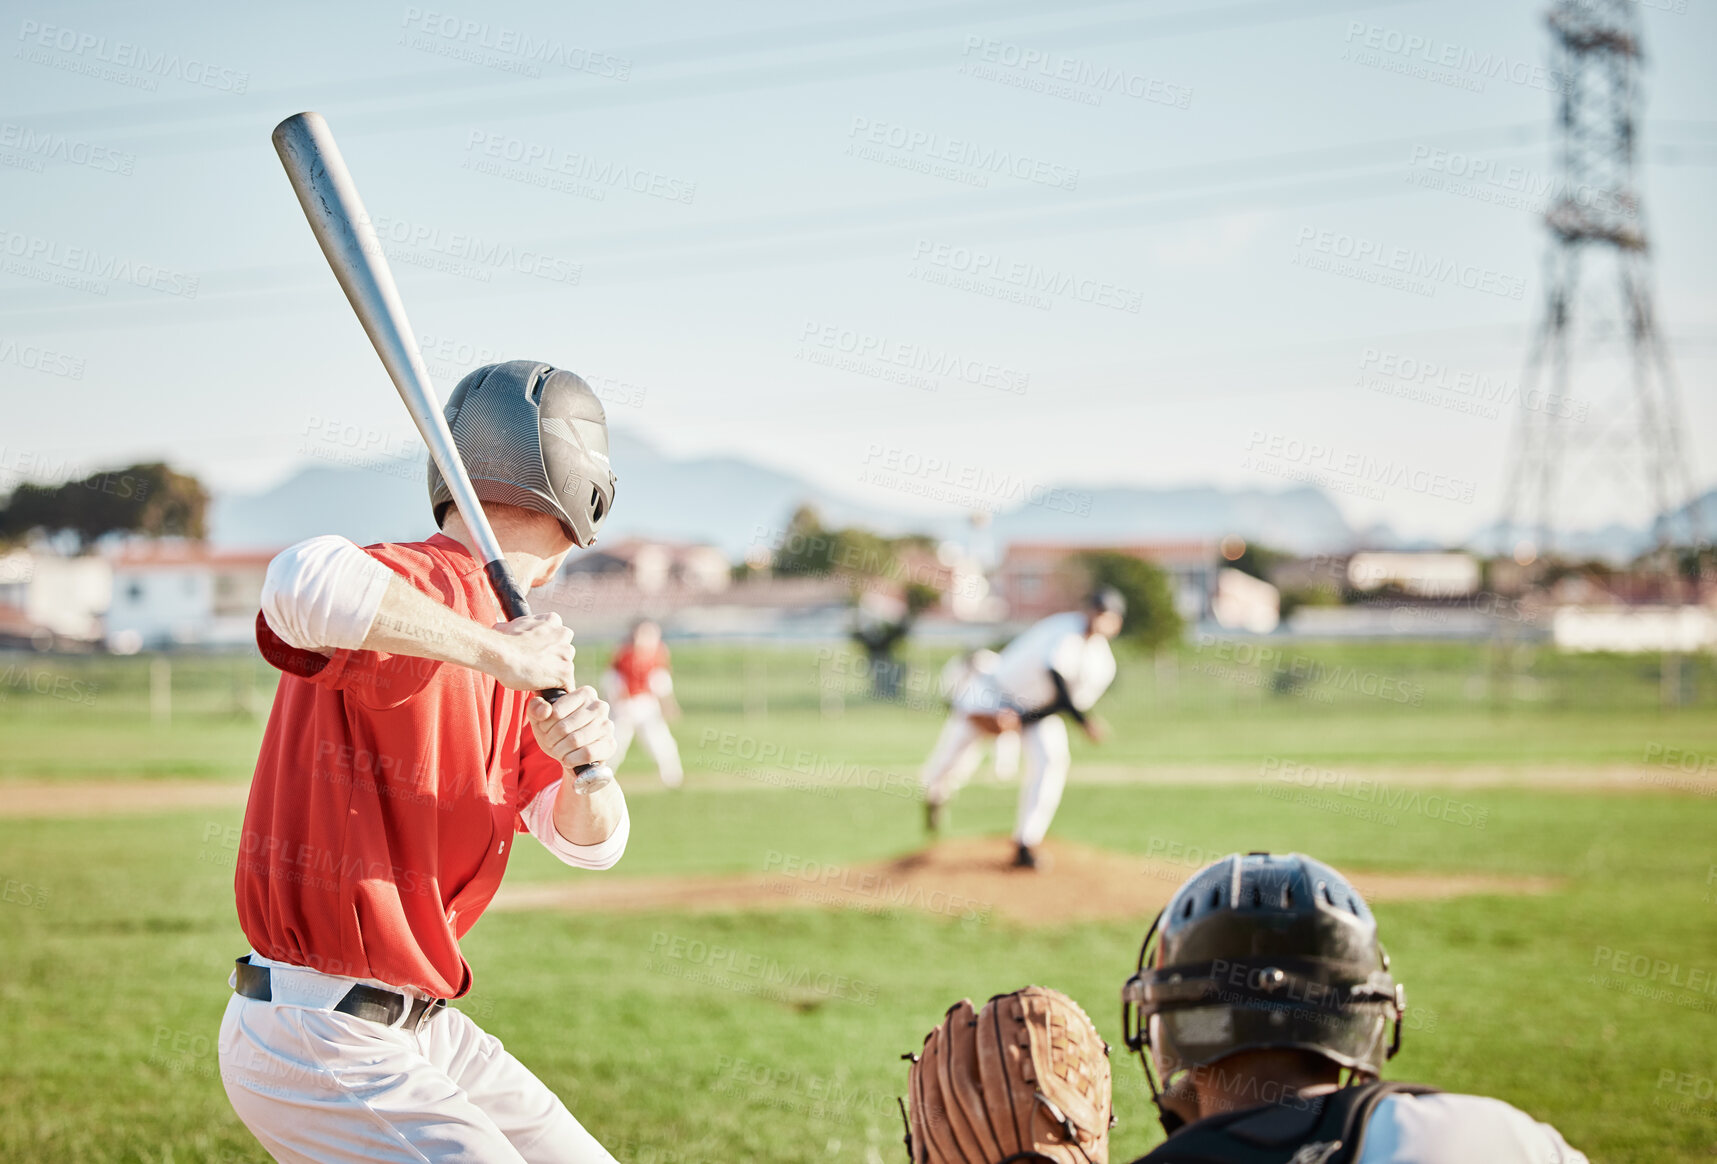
1046 762
1047 759
315 1085
953 760
1005 757
642 715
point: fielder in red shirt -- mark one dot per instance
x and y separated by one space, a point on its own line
640 691
404 756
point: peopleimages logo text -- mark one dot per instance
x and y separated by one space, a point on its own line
124 54
1406 263
1029 278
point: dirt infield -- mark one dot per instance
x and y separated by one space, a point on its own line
969 879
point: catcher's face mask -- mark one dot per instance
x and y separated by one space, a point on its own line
1260 952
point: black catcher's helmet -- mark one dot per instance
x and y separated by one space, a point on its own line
1262 951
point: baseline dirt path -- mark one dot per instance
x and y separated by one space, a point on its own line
1616 777
968 879
79 798
117 797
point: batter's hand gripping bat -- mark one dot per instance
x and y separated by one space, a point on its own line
340 223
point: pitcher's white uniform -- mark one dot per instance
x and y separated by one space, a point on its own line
1021 682
961 672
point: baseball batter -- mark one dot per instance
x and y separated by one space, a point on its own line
1061 665
641 692
403 756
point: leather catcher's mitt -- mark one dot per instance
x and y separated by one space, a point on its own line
1024 1079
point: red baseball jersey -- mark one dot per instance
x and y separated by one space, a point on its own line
635 667
386 797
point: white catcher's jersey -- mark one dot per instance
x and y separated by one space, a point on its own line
1460 1129
1058 643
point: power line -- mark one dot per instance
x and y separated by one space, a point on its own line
1106 202
431 102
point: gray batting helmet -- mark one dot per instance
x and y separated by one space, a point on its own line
1262 951
533 436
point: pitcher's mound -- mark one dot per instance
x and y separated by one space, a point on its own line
969 879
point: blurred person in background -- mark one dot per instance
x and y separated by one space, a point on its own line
640 694
1061 665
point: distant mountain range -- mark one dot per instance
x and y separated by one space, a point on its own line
737 504
1615 542
730 502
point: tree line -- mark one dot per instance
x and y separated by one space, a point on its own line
148 498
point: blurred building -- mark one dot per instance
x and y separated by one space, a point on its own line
1037 579
693 590
172 593
1399 594
48 599
653 567
1631 629
968 595
602 591
1422 575
1325 573
1245 603
950 569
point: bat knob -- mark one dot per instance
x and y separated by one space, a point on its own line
592 778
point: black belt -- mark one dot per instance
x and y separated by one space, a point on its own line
366 1002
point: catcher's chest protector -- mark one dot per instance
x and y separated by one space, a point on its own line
1329 1129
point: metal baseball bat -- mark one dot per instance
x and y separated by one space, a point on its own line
341 225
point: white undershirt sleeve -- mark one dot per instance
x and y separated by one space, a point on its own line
323 592
538 816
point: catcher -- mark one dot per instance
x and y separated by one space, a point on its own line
1024 1079
1263 1010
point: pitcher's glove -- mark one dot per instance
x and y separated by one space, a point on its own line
1024 1079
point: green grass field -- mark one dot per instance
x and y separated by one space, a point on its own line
118 930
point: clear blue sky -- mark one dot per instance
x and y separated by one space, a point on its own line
711 201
